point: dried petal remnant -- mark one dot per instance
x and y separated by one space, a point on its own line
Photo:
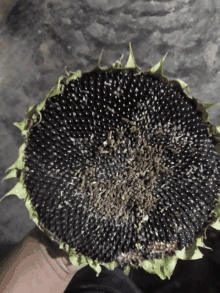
121 167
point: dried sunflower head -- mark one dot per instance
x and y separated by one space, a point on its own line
121 167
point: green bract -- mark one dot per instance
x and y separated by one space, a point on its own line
163 267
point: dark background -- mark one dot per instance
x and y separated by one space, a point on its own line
39 38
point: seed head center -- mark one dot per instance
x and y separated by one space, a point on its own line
128 189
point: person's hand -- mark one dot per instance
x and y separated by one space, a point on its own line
51 250
36 265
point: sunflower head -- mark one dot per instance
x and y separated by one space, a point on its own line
121 167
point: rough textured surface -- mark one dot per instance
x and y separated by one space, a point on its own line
114 147
39 38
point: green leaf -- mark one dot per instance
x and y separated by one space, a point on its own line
18 190
19 125
58 87
82 260
100 59
157 69
215 131
12 173
191 252
32 213
64 246
61 246
117 64
205 113
148 265
95 266
35 221
216 224
208 105
74 257
180 82
163 267
127 270
18 164
74 260
110 265
53 92
154 267
131 61
72 76
200 243
170 264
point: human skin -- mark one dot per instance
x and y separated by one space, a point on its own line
36 265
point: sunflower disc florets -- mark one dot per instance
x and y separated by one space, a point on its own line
121 167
